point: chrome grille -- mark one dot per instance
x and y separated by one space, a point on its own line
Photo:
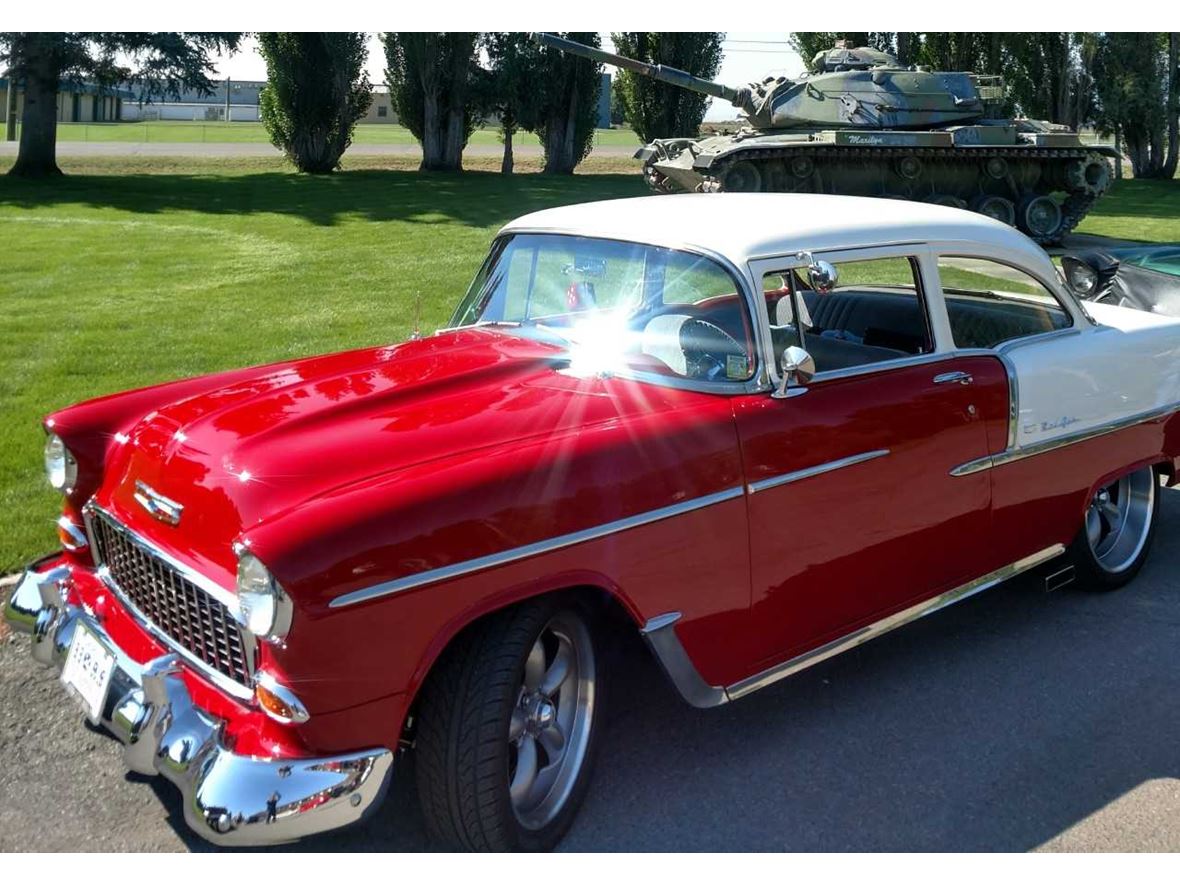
193 619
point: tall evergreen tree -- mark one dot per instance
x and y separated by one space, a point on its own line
316 90
569 105
661 110
512 88
1132 83
163 62
432 78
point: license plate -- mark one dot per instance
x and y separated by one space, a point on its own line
87 672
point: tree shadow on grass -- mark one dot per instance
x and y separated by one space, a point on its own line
476 199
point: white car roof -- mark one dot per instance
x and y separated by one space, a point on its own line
742 227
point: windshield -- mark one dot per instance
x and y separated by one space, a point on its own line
619 305
1160 260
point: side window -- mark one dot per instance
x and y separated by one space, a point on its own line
874 314
989 303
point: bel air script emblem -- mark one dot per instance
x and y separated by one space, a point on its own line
1045 426
157 505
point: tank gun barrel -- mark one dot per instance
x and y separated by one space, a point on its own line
739 98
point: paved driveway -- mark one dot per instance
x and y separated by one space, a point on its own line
1016 720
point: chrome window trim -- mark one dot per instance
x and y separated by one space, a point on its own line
660 635
1018 454
1065 300
459 569
913 251
819 469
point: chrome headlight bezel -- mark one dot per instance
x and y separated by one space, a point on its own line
265 608
1081 277
61 467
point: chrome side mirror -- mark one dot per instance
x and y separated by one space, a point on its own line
822 275
798 367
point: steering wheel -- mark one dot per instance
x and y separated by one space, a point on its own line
707 349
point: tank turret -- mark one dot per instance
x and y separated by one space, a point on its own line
863 124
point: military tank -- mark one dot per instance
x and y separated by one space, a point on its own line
863 124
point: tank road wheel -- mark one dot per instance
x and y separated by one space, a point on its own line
742 177
909 168
1116 535
1090 176
776 178
996 167
999 208
1039 217
507 726
802 167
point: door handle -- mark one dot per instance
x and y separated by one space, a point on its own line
952 377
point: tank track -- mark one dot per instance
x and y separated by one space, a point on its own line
1073 209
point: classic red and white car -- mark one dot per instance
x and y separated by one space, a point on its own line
758 429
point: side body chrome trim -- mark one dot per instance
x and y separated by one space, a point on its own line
506 556
1013 454
808 472
892 622
661 638
678 667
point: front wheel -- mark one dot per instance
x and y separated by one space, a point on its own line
1117 531
507 728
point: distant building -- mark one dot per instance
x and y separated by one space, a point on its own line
381 109
603 121
87 102
191 104
76 102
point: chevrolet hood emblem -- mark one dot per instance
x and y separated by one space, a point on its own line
163 509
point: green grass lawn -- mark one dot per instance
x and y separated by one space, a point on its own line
178 132
133 271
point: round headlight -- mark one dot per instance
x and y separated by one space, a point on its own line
264 605
60 464
1082 278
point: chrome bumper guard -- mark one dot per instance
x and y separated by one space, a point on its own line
228 799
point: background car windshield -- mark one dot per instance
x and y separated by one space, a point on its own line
655 309
1161 260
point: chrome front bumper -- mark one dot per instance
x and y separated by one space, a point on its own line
228 799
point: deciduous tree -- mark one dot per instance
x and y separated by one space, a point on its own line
163 62
661 110
316 89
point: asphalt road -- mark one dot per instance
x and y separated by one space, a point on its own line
1017 720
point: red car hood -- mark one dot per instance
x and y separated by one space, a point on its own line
247 452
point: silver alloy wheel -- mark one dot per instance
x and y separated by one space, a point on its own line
1118 519
549 733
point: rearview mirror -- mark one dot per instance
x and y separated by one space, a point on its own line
798 367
